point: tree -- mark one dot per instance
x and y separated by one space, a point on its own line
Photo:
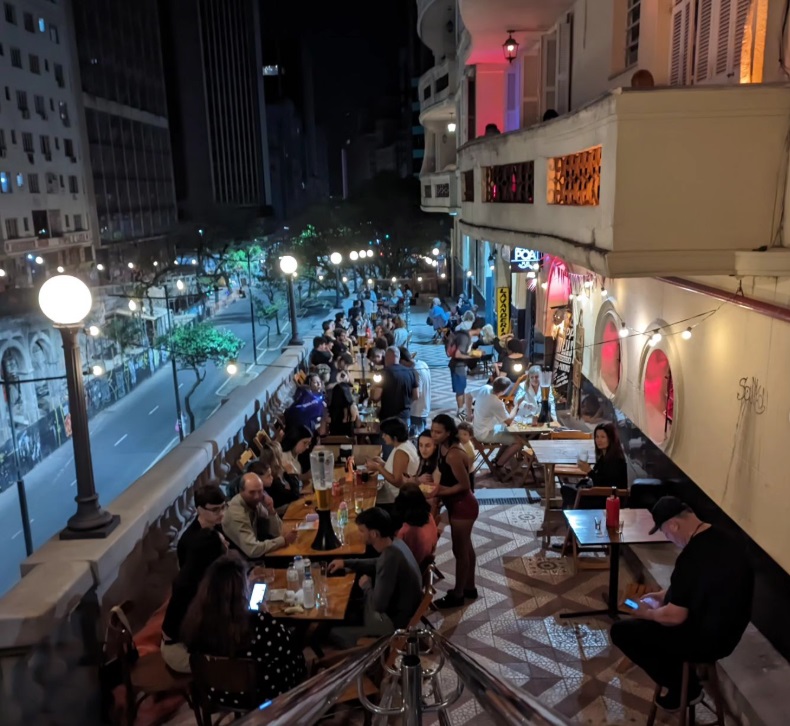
124 331
194 346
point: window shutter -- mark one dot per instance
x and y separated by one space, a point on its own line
548 50
511 99
704 26
564 40
682 33
530 90
723 38
726 40
742 11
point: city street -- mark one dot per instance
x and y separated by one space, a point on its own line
128 438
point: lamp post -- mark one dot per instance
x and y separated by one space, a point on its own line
289 265
179 415
336 258
66 300
252 310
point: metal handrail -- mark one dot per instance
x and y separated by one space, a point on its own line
506 705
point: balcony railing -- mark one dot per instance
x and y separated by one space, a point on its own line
440 191
640 183
437 89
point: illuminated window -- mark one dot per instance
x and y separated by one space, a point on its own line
42 25
610 355
5 183
659 397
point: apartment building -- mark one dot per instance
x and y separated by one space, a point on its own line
45 208
626 162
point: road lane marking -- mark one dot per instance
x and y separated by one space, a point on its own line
180 385
155 408
14 536
121 439
73 483
163 452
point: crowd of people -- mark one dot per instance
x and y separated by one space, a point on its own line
425 464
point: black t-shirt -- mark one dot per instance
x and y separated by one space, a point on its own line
463 343
507 366
182 548
397 384
319 357
714 581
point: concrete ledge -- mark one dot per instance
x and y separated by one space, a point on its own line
755 677
34 609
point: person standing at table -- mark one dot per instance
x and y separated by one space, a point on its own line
402 463
251 522
455 490
457 349
421 403
701 616
391 582
396 391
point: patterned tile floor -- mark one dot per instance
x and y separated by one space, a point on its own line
513 628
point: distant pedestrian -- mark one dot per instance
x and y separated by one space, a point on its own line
458 346
421 403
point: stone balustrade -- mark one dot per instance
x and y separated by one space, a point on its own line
52 622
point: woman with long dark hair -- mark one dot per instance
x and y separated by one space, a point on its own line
343 412
296 441
412 512
220 623
608 470
455 490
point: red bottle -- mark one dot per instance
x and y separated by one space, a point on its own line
613 510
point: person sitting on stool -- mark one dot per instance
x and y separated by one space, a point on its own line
701 617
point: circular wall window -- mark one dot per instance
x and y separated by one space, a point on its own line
659 397
610 355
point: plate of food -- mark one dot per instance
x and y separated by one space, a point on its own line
428 489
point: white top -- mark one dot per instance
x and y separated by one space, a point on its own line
421 405
370 306
390 491
401 336
489 411
289 458
528 402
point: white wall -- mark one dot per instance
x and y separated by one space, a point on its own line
737 456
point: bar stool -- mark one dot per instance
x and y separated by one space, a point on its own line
706 672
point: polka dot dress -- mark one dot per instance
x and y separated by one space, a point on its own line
281 664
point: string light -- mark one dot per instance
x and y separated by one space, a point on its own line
623 332
130 265
100 267
370 281
61 269
97 370
655 339
443 276
604 293
320 278
468 273
377 378
686 334
94 330
156 264
345 279
435 251
180 284
353 256
571 296
419 279
544 285
132 305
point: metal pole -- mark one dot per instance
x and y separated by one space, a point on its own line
90 517
295 339
179 415
20 482
337 286
411 687
252 311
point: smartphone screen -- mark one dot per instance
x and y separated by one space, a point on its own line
258 594
631 604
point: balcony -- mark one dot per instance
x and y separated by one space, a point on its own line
640 183
439 192
437 92
436 25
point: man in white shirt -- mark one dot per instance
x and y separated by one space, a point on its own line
421 403
492 419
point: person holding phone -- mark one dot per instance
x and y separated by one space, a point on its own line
701 616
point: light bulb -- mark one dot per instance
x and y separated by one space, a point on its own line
443 276
94 330
571 296
232 369
100 267
130 265
320 278
180 284
194 261
435 251
655 339
354 256
544 285
588 283
97 370
394 279
61 270
156 264
363 253
468 273
419 279
370 281
536 266
39 260
377 378
517 367
295 275
345 279
604 293
451 127
623 332
335 258
2 272
686 334
132 305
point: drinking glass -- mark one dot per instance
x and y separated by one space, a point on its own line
598 532
582 457
267 575
620 528
359 501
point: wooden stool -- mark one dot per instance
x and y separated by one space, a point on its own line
706 672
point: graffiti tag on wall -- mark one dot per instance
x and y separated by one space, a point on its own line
752 394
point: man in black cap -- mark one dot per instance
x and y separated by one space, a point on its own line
701 617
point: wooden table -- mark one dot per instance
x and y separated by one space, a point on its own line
549 453
529 431
339 594
304 545
636 530
298 510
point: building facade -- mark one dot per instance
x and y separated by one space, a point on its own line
123 101
217 107
45 203
628 167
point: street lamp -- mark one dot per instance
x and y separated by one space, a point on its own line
336 258
66 300
435 251
354 256
289 265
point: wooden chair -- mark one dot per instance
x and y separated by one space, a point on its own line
708 677
484 452
589 563
246 457
261 438
300 377
236 676
148 675
569 470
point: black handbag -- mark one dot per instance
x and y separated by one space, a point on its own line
429 321
118 658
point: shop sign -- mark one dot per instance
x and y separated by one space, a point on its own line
522 259
503 311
